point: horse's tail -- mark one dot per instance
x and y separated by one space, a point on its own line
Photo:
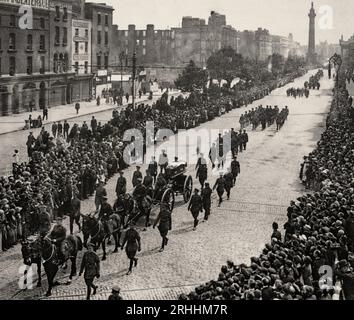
79 243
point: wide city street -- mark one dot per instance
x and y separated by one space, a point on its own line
237 230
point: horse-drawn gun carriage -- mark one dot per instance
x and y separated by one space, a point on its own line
172 183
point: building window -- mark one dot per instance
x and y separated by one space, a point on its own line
86 33
12 66
144 51
86 67
55 63
65 36
76 32
76 67
12 41
29 65
144 33
29 42
144 42
65 14
106 62
106 19
98 62
12 20
137 42
98 37
126 33
106 37
86 47
76 47
98 18
42 42
57 13
57 36
42 68
42 23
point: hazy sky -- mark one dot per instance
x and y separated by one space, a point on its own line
279 16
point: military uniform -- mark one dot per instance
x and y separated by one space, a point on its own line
229 182
220 188
195 207
58 235
90 265
132 239
105 212
121 187
202 174
235 170
165 224
136 176
153 169
206 198
44 222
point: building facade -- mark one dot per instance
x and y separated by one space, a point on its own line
100 16
35 56
264 47
81 59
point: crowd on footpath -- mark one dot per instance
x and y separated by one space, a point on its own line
316 252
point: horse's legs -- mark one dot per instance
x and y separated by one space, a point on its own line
116 241
104 248
39 273
50 275
85 240
73 267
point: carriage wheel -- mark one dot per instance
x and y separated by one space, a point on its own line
168 197
187 189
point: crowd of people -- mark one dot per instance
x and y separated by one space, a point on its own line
314 81
316 251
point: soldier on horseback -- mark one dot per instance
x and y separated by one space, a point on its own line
57 236
105 211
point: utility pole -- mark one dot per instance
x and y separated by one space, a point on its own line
121 59
133 89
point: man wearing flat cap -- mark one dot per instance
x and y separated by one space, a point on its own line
115 295
345 272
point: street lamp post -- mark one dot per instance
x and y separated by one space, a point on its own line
133 89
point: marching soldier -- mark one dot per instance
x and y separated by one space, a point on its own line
139 194
235 169
90 265
165 224
220 187
148 183
206 198
75 214
229 183
137 175
244 140
121 187
100 193
132 239
152 168
202 170
195 207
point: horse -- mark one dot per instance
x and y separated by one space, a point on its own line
31 254
94 228
44 249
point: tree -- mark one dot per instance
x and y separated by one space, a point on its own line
192 78
225 64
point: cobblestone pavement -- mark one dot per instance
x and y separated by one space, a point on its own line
237 231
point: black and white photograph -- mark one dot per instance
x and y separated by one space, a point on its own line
180 150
